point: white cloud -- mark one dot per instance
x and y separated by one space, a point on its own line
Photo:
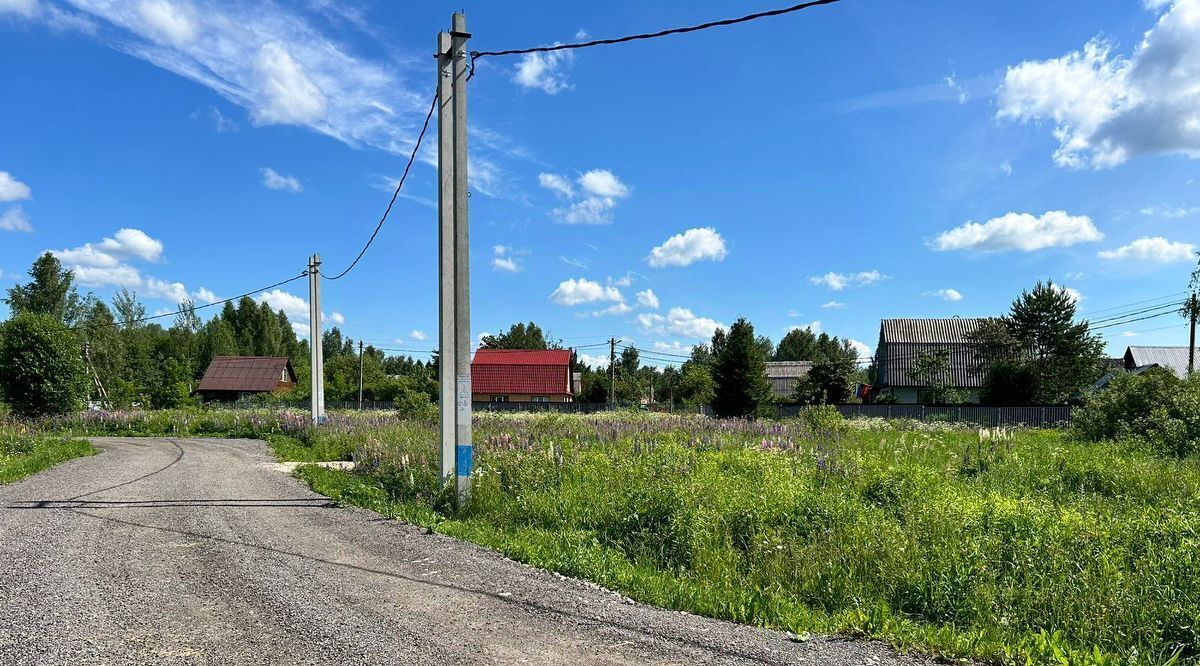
959 90
577 291
557 184
544 71
132 243
673 347
220 121
12 189
592 361
14 219
572 261
1075 294
1107 108
617 309
277 181
417 335
503 259
864 352
204 295
25 8
831 305
841 281
171 291
647 299
601 191
337 318
1170 212
814 327
1155 249
1020 231
293 306
678 321
104 263
269 58
703 243
168 20
101 276
1006 168
945 294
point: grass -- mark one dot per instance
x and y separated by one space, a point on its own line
1021 547
24 451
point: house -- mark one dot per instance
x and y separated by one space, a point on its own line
783 375
901 341
522 375
229 378
1174 359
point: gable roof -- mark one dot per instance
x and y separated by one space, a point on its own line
901 341
246 373
1174 359
521 371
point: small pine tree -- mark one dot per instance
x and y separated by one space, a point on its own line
739 372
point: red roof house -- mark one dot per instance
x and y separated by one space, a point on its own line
234 377
521 375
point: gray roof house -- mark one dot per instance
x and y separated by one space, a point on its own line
902 340
783 375
1174 359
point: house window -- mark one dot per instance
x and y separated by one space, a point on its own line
539 398
283 375
499 398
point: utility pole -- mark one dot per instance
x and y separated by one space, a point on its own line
612 372
454 299
316 355
1193 306
360 373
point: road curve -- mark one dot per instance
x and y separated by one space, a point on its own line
199 551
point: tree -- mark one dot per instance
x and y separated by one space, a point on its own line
41 369
518 336
829 380
130 312
50 292
739 372
931 369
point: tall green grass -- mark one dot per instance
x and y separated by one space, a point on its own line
25 451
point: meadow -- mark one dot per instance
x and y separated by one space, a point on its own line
1006 546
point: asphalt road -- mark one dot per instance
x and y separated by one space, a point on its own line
189 551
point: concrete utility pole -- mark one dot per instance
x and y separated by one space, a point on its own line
612 372
454 338
316 354
1193 307
360 370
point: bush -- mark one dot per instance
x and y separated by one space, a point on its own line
1155 407
41 369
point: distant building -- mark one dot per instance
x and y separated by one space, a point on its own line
522 375
1174 359
783 375
901 341
230 378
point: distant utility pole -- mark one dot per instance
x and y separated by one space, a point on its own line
612 371
316 355
1193 306
454 299
360 369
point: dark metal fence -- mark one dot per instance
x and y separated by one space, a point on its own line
1042 416
578 407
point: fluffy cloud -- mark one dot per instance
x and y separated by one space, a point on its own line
274 180
592 361
647 299
673 347
417 335
813 327
577 291
503 259
945 294
12 189
601 190
1075 295
679 321
1107 108
1155 249
337 318
544 71
105 263
169 21
14 219
841 281
864 352
132 243
1020 231
832 305
703 243
295 307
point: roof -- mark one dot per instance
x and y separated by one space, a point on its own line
928 331
783 375
521 371
901 341
1174 359
245 373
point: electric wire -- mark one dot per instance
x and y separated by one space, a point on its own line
408 167
475 55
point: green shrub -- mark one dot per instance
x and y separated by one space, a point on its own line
41 366
1154 406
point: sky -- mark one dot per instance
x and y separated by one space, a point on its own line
826 169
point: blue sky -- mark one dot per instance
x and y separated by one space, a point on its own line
829 168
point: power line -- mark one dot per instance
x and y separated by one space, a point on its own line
1137 312
407 168
1135 303
650 35
197 307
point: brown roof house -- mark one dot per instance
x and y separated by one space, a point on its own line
230 378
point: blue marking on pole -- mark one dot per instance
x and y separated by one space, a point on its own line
463 459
